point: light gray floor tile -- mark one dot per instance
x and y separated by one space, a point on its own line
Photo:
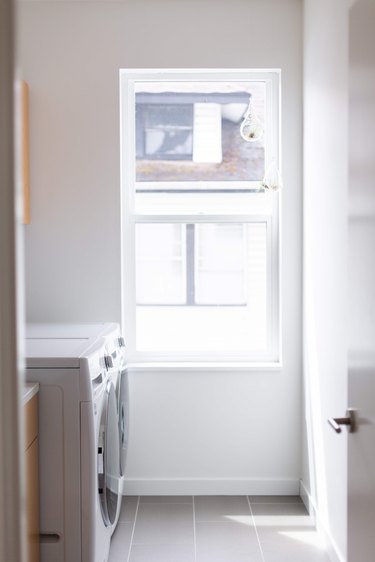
282 509
294 553
120 542
284 532
277 522
221 508
224 530
166 499
274 499
128 508
231 557
162 553
226 542
166 523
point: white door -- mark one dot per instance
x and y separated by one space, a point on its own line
361 462
341 471
361 389
361 256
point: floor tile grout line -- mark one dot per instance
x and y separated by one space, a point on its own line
277 503
133 530
217 522
194 531
166 503
256 530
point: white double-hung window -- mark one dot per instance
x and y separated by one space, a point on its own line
200 234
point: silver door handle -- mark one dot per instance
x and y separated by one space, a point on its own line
350 420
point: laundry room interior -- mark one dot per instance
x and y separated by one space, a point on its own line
229 456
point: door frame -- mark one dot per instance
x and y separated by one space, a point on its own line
11 482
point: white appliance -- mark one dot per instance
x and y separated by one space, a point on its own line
80 369
117 366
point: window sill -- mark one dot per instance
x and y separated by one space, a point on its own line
190 366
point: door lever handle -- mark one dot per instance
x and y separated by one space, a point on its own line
350 420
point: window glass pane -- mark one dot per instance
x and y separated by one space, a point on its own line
220 264
167 132
190 131
160 264
224 279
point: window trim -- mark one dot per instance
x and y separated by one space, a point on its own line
272 78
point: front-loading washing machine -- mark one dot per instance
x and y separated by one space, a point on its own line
118 372
79 446
115 360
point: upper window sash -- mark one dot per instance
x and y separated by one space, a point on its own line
128 81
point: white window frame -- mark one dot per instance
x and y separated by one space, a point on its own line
129 218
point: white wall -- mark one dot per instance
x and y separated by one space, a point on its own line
241 431
325 259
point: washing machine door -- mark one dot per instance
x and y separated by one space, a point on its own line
108 457
123 413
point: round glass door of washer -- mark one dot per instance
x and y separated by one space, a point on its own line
108 457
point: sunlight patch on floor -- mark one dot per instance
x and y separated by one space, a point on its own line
283 521
244 519
311 538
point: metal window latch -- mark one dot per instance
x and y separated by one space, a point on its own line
350 420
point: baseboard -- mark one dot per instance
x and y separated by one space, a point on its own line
310 504
209 486
307 500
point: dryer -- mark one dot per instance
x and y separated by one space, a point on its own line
79 444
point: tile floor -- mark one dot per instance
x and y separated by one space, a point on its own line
215 529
